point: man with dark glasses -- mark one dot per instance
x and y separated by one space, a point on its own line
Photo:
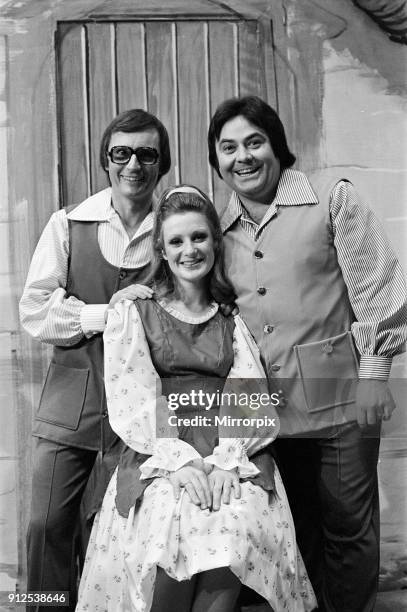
146 156
86 254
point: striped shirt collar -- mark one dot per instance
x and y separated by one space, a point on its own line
98 207
294 189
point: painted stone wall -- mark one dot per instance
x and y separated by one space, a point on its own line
350 96
350 99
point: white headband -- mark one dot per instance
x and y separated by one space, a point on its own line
183 189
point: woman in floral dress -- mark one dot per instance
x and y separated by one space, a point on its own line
194 509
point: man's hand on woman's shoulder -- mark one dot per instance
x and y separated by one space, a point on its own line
132 292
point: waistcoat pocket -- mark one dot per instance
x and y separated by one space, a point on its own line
328 370
63 396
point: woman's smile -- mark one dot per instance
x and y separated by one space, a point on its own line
192 263
188 246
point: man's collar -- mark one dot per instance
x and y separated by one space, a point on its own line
231 213
97 207
293 189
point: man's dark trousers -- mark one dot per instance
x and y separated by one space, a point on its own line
332 488
60 474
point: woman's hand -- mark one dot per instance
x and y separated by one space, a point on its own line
221 483
195 482
131 292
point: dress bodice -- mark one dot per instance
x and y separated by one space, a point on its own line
182 348
190 355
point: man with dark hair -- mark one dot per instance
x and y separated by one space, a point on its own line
325 299
86 254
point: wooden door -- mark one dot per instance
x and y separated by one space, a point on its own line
179 69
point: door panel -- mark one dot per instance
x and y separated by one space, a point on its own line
251 61
73 116
223 70
193 91
162 87
102 93
180 70
131 65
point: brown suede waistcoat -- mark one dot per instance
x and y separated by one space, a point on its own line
292 295
72 408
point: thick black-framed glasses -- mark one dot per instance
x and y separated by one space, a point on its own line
147 156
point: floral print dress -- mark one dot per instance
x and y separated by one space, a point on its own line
254 535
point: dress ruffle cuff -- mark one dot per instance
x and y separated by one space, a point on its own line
231 454
169 455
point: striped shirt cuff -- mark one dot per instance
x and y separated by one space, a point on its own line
93 319
375 366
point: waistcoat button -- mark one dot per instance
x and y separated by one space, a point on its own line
261 290
268 329
327 348
258 254
122 274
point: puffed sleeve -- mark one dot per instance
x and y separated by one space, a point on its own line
137 409
234 452
47 312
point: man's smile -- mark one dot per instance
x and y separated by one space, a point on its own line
131 179
247 171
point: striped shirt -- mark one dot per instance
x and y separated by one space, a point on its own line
376 287
46 312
